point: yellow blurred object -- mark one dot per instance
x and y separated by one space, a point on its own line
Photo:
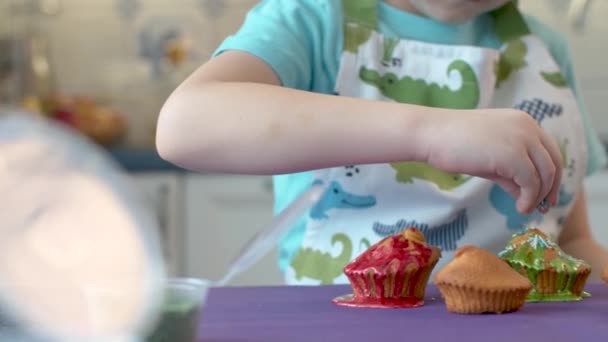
176 51
32 104
100 123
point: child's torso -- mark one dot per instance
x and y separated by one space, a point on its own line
367 202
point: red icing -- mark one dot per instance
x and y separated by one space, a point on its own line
391 303
379 275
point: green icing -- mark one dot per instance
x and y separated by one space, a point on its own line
561 296
532 258
531 253
526 253
177 323
566 263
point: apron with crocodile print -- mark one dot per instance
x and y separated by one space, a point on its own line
364 203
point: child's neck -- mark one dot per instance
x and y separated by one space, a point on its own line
404 6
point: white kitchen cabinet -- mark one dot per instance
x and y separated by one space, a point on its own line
162 193
222 214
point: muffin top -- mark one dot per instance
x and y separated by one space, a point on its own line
533 249
404 251
479 269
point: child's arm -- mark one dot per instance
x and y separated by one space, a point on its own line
576 238
231 115
234 117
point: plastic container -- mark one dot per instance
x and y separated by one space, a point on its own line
181 310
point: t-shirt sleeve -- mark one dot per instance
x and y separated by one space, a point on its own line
284 34
559 49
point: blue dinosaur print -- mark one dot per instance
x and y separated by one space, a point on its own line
336 198
564 198
385 230
505 205
445 236
539 109
351 170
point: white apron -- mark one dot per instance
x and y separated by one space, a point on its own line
365 203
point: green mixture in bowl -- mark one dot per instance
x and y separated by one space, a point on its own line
180 313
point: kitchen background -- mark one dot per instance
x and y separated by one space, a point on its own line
104 67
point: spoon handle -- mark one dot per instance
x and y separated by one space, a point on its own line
266 239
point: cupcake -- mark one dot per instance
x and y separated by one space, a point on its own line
555 275
477 282
392 273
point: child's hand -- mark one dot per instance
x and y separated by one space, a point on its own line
504 145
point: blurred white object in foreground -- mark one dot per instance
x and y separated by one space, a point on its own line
79 255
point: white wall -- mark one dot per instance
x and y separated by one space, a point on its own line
94 51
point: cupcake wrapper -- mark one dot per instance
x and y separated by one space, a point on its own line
550 282
407 284
469 300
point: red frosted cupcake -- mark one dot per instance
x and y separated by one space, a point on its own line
392 273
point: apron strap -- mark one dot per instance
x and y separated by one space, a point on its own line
509 23
360 19
361 12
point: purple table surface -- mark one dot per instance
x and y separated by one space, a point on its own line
306 314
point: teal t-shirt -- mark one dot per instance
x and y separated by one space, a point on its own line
302 41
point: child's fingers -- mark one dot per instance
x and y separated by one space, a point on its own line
508 186
546 170
556 156
528 180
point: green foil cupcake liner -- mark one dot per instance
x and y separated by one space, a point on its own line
554 286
